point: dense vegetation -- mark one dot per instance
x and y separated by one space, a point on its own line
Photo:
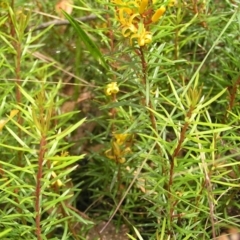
121 114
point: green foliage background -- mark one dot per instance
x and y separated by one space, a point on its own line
178 101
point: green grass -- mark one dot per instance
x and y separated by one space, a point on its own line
157 152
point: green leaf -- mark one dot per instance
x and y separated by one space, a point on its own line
3 233
90 45
67 131
138 234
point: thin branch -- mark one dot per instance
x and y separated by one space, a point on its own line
42 152
148 104
60 22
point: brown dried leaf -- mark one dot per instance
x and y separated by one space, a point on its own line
65 5
68 106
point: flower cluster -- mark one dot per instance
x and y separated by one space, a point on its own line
118 150
136 16
111 88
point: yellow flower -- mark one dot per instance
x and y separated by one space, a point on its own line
143 37
128 26
128 30
115 153
116 158
120 138
143 6
112 88
128 9
158 14
124 16
58 182
118 150
122 160
3 122
135 17
54 175
13 113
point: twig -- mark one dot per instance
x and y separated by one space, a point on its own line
42 152
60 22
58 66
148 104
